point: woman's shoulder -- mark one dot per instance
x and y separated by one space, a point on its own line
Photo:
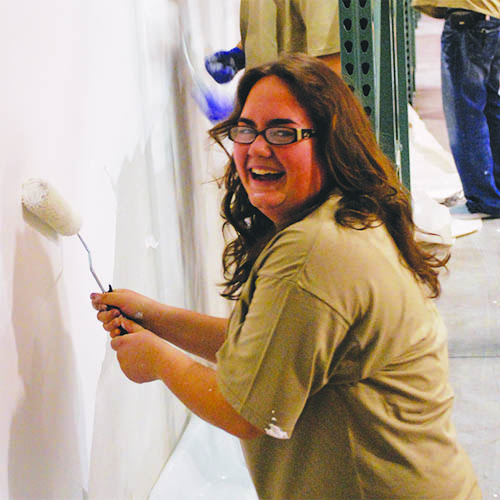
290 248
303 233
316 236
319 241
320 228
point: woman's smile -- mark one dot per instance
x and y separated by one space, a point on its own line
264 175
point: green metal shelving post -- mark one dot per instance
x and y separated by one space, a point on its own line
376 63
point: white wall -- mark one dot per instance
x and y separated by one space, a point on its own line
90 99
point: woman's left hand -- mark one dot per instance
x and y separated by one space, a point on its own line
139 353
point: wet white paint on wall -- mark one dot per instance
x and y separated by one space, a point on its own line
95 98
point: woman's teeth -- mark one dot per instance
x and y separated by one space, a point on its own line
259 174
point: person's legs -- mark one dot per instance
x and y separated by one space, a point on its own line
467 55
492 110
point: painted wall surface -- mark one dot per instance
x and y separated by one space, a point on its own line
95 98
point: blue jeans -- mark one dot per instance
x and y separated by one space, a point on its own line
470 71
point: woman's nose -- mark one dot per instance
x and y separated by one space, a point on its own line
260 147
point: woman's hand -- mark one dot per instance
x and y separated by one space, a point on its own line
199 334
140 353
112 305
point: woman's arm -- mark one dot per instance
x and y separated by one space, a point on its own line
199 334
144 357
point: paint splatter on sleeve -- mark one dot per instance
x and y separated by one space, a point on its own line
274 431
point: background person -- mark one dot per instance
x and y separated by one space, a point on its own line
271 27
470 74
332 368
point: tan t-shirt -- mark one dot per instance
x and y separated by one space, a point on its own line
437 8
335 352
269 27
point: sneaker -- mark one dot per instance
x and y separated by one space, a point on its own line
453 200
462 212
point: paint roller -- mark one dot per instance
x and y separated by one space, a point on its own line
42 200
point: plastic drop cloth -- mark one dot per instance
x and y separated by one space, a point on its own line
168 235
433 179
208 463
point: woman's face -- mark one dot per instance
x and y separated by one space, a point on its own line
279 180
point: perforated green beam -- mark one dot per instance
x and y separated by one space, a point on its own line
358 61
410 25
375 64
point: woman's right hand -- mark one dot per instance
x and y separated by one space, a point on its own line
113 304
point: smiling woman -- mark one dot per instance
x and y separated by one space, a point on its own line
332 368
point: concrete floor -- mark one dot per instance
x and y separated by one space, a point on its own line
470 301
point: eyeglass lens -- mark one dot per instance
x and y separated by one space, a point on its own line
273 135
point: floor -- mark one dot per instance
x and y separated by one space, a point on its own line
470 301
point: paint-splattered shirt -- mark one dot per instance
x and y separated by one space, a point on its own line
335 352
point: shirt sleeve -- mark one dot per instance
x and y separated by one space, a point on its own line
282 347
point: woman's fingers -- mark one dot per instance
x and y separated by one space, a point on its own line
116 331
107 315
131 326
120 303
130 303
96 305
108 298
110 319
128 325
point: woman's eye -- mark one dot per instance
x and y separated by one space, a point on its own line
246 131
282 132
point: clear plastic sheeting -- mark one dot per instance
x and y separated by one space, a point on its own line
137 426
168 242
208 463
434 178
432 167
433 218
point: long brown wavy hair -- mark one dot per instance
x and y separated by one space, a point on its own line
371 192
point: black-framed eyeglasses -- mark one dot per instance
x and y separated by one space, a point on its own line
277 136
